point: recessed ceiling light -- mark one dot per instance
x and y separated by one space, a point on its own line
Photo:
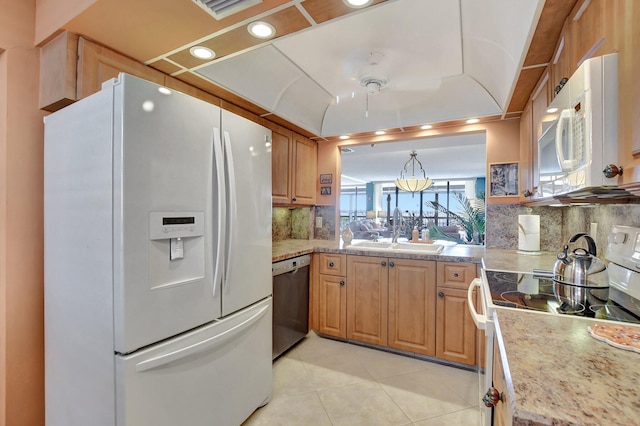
346 149
343 137
164 90
202 52
380 132
426 127
552 110
357 3
261 29
472 121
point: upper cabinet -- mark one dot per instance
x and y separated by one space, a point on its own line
294 167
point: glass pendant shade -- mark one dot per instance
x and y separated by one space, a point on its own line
414 183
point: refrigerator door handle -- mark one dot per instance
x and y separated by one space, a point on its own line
232 205
219 259
204 345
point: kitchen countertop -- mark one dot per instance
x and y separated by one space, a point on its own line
557 374
491 258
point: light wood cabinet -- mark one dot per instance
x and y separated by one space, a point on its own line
332 306
526 155
412 306
304 170
97 64
456 332
294 165
394 303
367 299
329 295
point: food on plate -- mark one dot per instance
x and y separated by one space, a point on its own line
619 336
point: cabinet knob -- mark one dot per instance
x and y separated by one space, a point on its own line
391 264
330 264
342 282
294 199
456 275
383 263
440 294
492 397
612 171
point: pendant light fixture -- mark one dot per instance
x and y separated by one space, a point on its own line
414 183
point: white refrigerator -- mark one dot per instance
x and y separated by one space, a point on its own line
157 260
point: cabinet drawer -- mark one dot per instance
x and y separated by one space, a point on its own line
456 275
333 264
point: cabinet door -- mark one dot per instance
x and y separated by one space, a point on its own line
412 306
281 158
304 170
367 299
456 331
332 306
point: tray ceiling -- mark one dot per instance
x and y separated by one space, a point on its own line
433 60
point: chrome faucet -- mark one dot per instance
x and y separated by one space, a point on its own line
397 224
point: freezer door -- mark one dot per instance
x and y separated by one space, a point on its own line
247 148
163 221
215 375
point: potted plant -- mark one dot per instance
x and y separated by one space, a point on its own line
471 219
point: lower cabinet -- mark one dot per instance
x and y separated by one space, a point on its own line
417 306
332 306
331 295
367 299
456 332
412 306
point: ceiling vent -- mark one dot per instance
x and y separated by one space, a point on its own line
222 8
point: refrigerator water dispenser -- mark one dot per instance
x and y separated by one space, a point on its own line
177 249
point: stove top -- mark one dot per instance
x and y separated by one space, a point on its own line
541 293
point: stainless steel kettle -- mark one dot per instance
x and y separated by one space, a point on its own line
576 267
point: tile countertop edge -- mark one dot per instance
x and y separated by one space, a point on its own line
557 374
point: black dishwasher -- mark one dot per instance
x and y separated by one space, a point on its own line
290 302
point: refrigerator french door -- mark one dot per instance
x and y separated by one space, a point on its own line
138 185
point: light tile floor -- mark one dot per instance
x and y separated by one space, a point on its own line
326 382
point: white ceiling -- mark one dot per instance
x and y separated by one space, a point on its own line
440 61
454 157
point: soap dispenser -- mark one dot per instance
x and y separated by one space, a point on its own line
415 235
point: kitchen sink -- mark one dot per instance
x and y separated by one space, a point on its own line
422 248
376 245
396 247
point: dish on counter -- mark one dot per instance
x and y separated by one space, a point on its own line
619 336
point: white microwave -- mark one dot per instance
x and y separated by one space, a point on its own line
579 149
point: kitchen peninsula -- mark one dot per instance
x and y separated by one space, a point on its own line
554 371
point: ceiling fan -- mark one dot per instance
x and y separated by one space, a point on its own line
375 77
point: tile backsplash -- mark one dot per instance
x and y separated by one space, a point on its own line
299 223
557 224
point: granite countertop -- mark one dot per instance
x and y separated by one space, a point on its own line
291 248
498 259
557 374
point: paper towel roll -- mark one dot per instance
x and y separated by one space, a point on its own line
529 232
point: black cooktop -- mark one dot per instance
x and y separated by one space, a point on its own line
541 293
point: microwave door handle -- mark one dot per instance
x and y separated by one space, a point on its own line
566 116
